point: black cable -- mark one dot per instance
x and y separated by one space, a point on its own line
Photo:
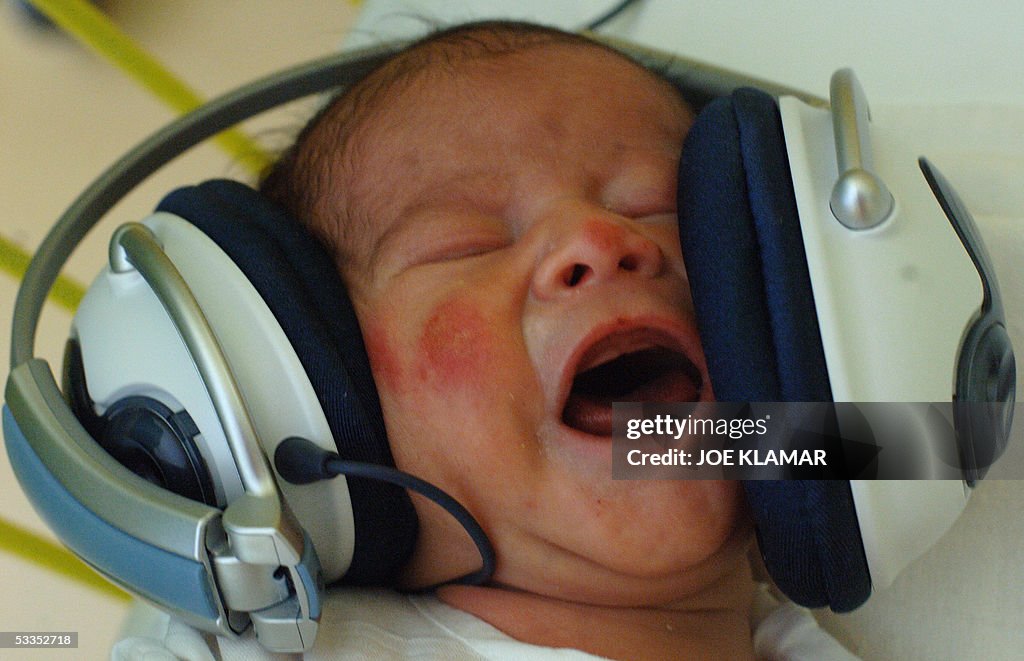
301 461
609 15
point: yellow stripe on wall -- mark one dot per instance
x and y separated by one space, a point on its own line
41 552
92 28
14 260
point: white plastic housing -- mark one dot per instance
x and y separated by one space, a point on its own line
130 347
893 304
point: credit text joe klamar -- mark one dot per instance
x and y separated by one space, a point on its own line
669 427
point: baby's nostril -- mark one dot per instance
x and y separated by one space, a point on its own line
576 275
629 263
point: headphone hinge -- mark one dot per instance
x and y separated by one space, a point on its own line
269 597
247 587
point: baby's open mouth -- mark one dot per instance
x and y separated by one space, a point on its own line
646 374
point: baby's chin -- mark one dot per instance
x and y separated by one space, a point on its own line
643 573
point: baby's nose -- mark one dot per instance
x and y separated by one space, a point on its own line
595 251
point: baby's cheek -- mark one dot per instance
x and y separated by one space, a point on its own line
457 347
388 371
454 351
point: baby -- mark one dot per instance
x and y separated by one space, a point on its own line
500 199
501 202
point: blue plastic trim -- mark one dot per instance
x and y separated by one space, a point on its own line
162 577
309 571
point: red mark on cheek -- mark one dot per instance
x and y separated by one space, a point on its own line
455 349
387 369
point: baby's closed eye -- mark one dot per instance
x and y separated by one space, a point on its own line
454 236
449 249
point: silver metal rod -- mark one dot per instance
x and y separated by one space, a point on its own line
860 199
134 246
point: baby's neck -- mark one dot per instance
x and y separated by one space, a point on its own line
715 625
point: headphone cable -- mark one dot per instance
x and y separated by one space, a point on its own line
599 22
300 461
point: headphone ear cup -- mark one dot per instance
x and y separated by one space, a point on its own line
299 283
143 434
745 259
744 253
810 541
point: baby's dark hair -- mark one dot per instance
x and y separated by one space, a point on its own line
304 180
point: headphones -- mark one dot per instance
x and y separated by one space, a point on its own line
217 445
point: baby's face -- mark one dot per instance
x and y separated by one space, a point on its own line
523 271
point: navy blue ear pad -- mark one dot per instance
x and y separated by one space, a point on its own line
745 259
300 284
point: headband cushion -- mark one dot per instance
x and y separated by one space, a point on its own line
744 255
299 282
